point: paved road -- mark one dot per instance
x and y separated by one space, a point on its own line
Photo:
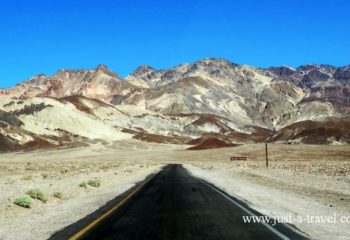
176 205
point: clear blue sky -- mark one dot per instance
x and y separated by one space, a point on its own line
42 36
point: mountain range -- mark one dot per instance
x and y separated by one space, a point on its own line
210 98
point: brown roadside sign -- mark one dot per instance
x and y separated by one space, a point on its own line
238 158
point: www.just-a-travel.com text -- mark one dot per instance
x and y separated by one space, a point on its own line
297 219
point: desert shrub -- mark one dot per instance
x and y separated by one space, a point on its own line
58 195
83 184
23 201
94 183
45 175
27 177
128 171
37 194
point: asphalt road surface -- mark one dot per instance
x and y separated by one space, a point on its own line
176 205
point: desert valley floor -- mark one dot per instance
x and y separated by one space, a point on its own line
302 180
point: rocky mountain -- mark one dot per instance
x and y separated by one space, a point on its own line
209 98
271 98
99 83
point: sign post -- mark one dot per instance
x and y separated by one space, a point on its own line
267 156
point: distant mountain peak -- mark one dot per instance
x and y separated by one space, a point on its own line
215 60
101 67
104 69
143 69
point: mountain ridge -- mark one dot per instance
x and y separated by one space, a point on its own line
231 96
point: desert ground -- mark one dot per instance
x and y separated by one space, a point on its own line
302 180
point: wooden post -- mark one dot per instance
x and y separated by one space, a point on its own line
267 156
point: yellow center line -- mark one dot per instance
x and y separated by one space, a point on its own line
109 212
